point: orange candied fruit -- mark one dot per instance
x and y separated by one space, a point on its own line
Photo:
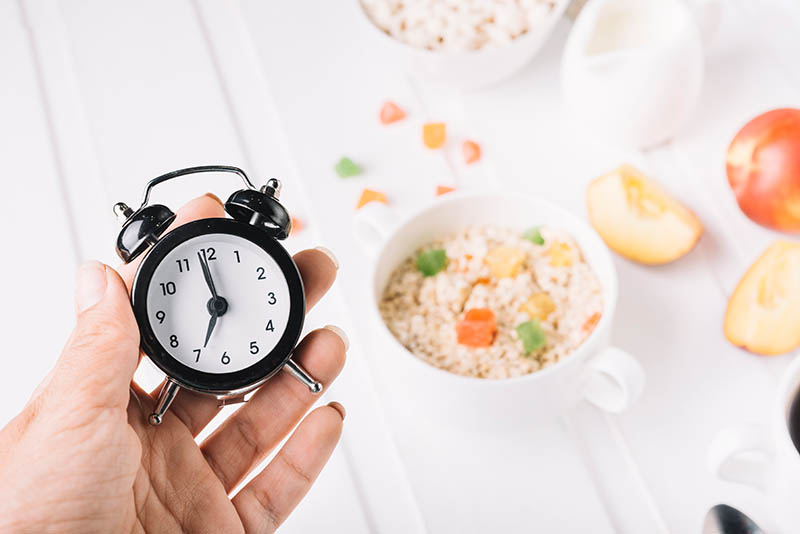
391 112
370 195
434 134
477 328
591 322
297 226
442 189
471 151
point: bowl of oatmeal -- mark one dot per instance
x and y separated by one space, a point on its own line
464 44
484 304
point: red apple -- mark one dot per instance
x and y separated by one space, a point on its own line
763 166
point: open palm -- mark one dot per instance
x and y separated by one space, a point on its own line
81 456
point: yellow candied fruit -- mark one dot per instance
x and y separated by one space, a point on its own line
539 306
560 254
504 262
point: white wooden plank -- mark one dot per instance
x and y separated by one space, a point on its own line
387 499
330 108
38 249
84 189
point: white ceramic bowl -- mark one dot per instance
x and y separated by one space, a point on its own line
606 376
471 69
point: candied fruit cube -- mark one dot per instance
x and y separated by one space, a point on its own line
434 134
591 322
539 306
477 328
391 112
431 262
532 335
504 262
370 195
471 151
560 254
346 168
534 235
442 189
297 226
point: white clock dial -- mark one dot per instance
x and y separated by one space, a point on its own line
250 281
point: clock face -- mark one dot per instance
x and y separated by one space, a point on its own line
228 332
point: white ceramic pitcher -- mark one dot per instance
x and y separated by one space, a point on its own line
632 70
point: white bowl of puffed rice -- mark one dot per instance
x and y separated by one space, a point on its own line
462 44
543 277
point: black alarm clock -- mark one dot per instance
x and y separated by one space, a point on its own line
219 302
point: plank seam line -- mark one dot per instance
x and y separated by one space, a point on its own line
226 94
51 131
294 169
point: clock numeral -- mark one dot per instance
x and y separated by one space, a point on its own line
225 358
168 288
238 259
173 341
160 315
181 263
209 253
253 348
196 351
270 328
272 299
260 271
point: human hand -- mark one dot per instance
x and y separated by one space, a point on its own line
80 457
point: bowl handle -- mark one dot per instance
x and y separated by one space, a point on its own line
371 227
742 454
613 380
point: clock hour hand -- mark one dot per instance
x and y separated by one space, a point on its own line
211 324
207 275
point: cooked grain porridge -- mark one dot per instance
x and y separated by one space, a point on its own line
493 302
457 25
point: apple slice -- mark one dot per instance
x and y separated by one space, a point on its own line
763 314
638 219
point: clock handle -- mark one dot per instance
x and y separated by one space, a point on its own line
165 398
302 375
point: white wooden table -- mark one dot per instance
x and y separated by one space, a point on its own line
97 97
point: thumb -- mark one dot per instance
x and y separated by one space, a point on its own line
103 351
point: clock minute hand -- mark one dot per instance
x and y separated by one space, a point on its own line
211 324
207 275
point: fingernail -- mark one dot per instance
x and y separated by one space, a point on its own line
215 198
90 284
339 408
330 254
339 332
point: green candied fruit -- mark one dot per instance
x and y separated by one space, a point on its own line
431 262
346 168
532 336
534 235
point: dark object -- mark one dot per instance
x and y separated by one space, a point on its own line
142 228
724 519
257 217
214 383
259 207
794 421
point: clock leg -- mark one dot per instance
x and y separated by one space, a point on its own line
165 398
302 375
